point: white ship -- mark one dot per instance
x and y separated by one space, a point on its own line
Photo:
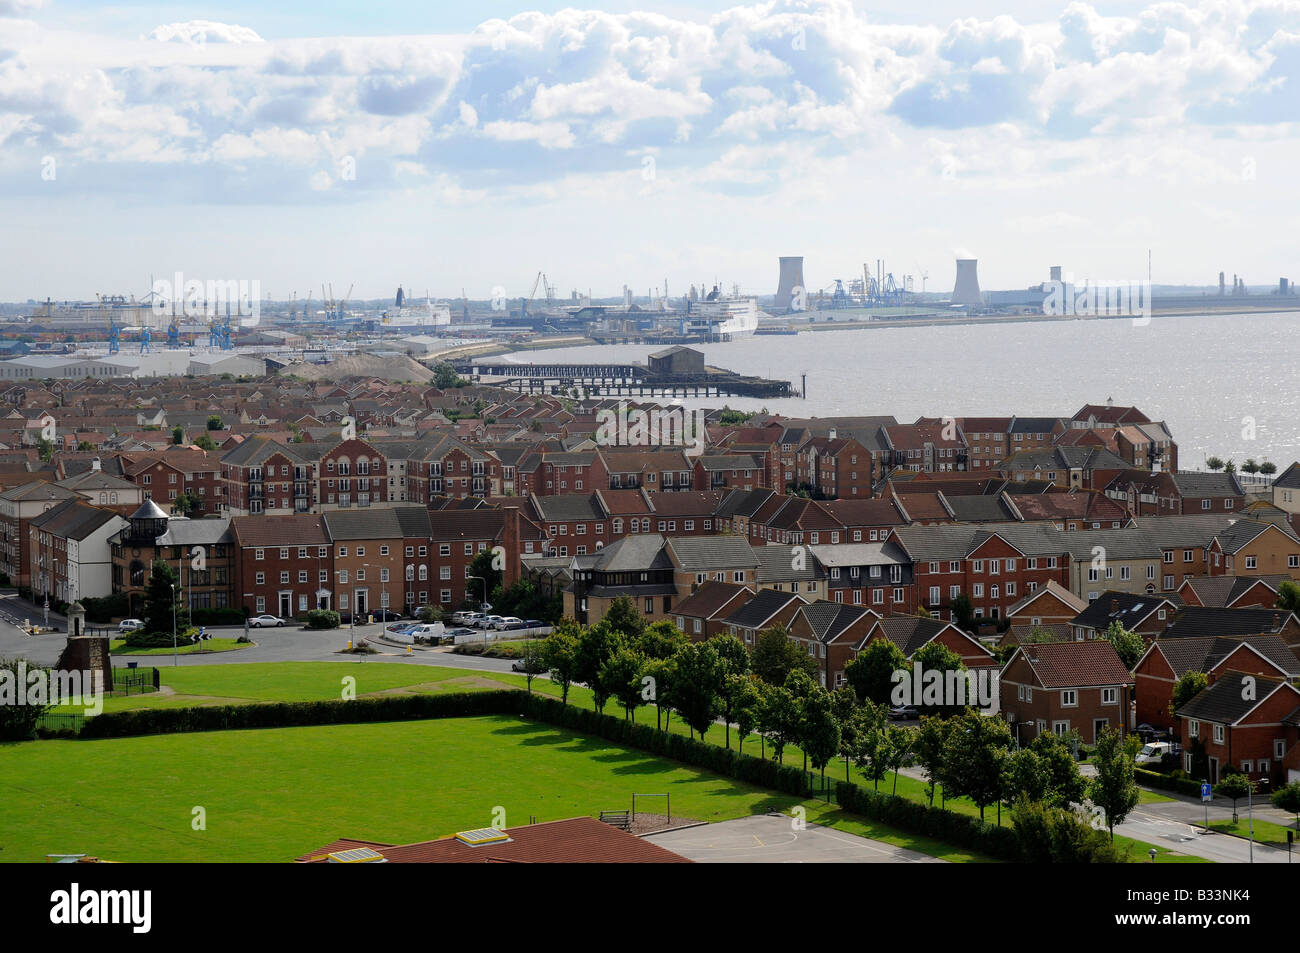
426 316
724 319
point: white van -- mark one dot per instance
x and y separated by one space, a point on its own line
430 632
1153 752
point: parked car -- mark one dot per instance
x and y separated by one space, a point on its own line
258 621
461 630
534 624
903 713
472 618
426 632
521 665
488 622
1156 751
508 622
130 625
385 615
462 616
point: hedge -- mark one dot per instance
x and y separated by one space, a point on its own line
156 721
929 821
1167 782
217 615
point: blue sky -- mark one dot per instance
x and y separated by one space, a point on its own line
444 146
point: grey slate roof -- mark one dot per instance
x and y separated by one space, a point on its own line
758 612
712 553
1130 609
1222 703
1194 621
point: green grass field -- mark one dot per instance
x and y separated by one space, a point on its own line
309 681
183 647
1266 832
274 794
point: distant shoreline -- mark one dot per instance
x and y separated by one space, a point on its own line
927 320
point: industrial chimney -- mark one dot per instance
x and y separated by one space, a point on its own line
966 290
791 279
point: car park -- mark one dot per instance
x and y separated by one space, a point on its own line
265 621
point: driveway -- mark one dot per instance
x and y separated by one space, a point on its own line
773 839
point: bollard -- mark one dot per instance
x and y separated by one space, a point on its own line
408 650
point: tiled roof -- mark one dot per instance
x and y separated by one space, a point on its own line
711 553
295 529
1193 621
1075 664
1222 702
578 840
758 612
1130 609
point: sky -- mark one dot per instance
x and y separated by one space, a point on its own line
452 146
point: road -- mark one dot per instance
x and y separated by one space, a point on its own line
289 643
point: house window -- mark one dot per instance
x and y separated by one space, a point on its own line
1250 562
1218 734
1193 729
1110 696
1069 698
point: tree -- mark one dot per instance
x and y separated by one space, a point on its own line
1250 466
1229 467
697 676
661 640
445 377
623 617
870 721
1214 463
85 446
1114 789
733 657
596 646
160 601
1026 776
871 673
1129 646
484 567
215 423
186 503
932 735
45 448
1268 468
819 730
204 442
17 718
1288 596
746 701
963 610
1065 785
1287 798
178 435
937 657
778 718
1234 786
897 750
974 757
775 656
1190 684
844 702
620 677
533 658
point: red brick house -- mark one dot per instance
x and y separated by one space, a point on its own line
1167 660
702 614
1065 686
911 633
828 631
1246 722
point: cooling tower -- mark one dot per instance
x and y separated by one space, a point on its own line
791 278
966 290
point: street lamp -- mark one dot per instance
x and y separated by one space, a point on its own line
174 653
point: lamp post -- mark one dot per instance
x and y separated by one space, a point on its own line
174 652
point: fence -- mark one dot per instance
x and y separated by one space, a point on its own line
135 681
61 721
